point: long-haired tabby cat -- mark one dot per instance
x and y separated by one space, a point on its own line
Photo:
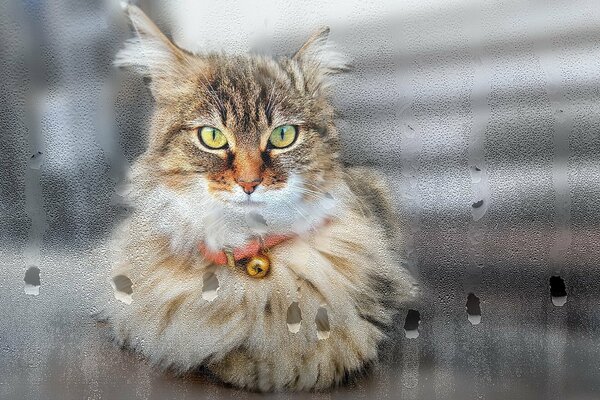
251 250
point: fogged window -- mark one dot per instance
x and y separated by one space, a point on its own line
483 117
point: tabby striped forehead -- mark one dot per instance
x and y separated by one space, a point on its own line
248 96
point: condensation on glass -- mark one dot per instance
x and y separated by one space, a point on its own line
484 117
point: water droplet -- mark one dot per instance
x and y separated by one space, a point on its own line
322 321
256 219
411 324
473 309
123 288
32 281
210 286
475 174
294 317
36 160
558 291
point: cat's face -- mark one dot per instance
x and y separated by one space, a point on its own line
242 127
250 133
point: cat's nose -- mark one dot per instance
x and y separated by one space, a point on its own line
249 186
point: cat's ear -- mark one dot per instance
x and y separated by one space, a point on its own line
318 56
150 53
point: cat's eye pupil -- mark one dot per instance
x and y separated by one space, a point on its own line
283 136
212 138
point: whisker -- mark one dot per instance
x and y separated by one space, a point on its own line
293 207
364 209
319 195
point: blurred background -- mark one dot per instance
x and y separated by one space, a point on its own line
484 117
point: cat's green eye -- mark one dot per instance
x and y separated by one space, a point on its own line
283 136
212 137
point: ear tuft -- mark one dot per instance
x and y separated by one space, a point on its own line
318 52
150 52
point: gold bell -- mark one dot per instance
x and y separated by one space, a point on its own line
258 266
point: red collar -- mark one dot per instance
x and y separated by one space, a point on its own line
251 249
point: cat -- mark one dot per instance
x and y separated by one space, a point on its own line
252 251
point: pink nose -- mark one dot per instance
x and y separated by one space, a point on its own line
249 186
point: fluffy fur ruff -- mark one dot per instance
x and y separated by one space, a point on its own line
348 267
